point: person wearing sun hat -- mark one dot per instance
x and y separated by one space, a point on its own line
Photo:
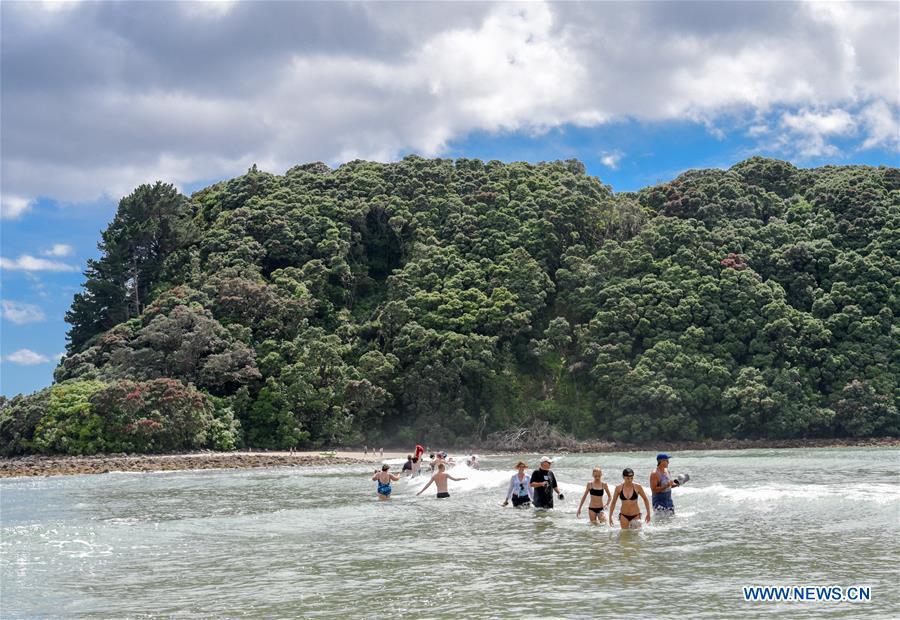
661 484
519 490
543 481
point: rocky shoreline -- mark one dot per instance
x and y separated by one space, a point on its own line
103 464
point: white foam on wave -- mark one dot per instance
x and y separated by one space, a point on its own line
78 548
474 479
878 493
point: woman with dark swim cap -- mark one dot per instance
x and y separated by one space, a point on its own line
628 492
384 479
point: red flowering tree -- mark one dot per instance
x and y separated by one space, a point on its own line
734 261
161 415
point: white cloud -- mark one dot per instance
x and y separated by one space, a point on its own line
611 160
809 131
11 207
757 130
207 8
100 97
831 123
59 249
21 313
26 357
29 263
882 126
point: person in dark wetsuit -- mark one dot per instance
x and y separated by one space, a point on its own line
384 479
661 485
543 481
629 492
596 488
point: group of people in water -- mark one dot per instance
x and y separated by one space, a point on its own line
414 462
538 489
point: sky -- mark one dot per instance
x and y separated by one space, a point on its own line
99 97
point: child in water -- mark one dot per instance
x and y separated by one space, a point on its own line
440 481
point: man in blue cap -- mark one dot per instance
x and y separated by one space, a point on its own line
661 484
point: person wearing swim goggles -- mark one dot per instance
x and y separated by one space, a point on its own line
629 492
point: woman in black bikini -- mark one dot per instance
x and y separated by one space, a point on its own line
628 492
596 488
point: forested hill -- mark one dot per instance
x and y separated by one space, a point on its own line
439 301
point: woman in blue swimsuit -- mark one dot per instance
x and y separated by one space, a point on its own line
384 479
629 492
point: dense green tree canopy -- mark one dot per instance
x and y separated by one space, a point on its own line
441 300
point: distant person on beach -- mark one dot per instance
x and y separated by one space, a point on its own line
543 481
382 453
600 498
629 492
384 479
440 481
519 490
661 485
366 450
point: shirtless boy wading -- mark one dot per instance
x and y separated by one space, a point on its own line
440 481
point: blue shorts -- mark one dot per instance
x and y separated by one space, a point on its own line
663 503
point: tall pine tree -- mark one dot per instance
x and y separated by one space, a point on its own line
149 225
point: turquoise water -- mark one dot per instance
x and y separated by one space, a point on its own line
315 542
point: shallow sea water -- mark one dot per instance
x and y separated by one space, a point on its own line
315 542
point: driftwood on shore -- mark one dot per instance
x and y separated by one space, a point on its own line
539 436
